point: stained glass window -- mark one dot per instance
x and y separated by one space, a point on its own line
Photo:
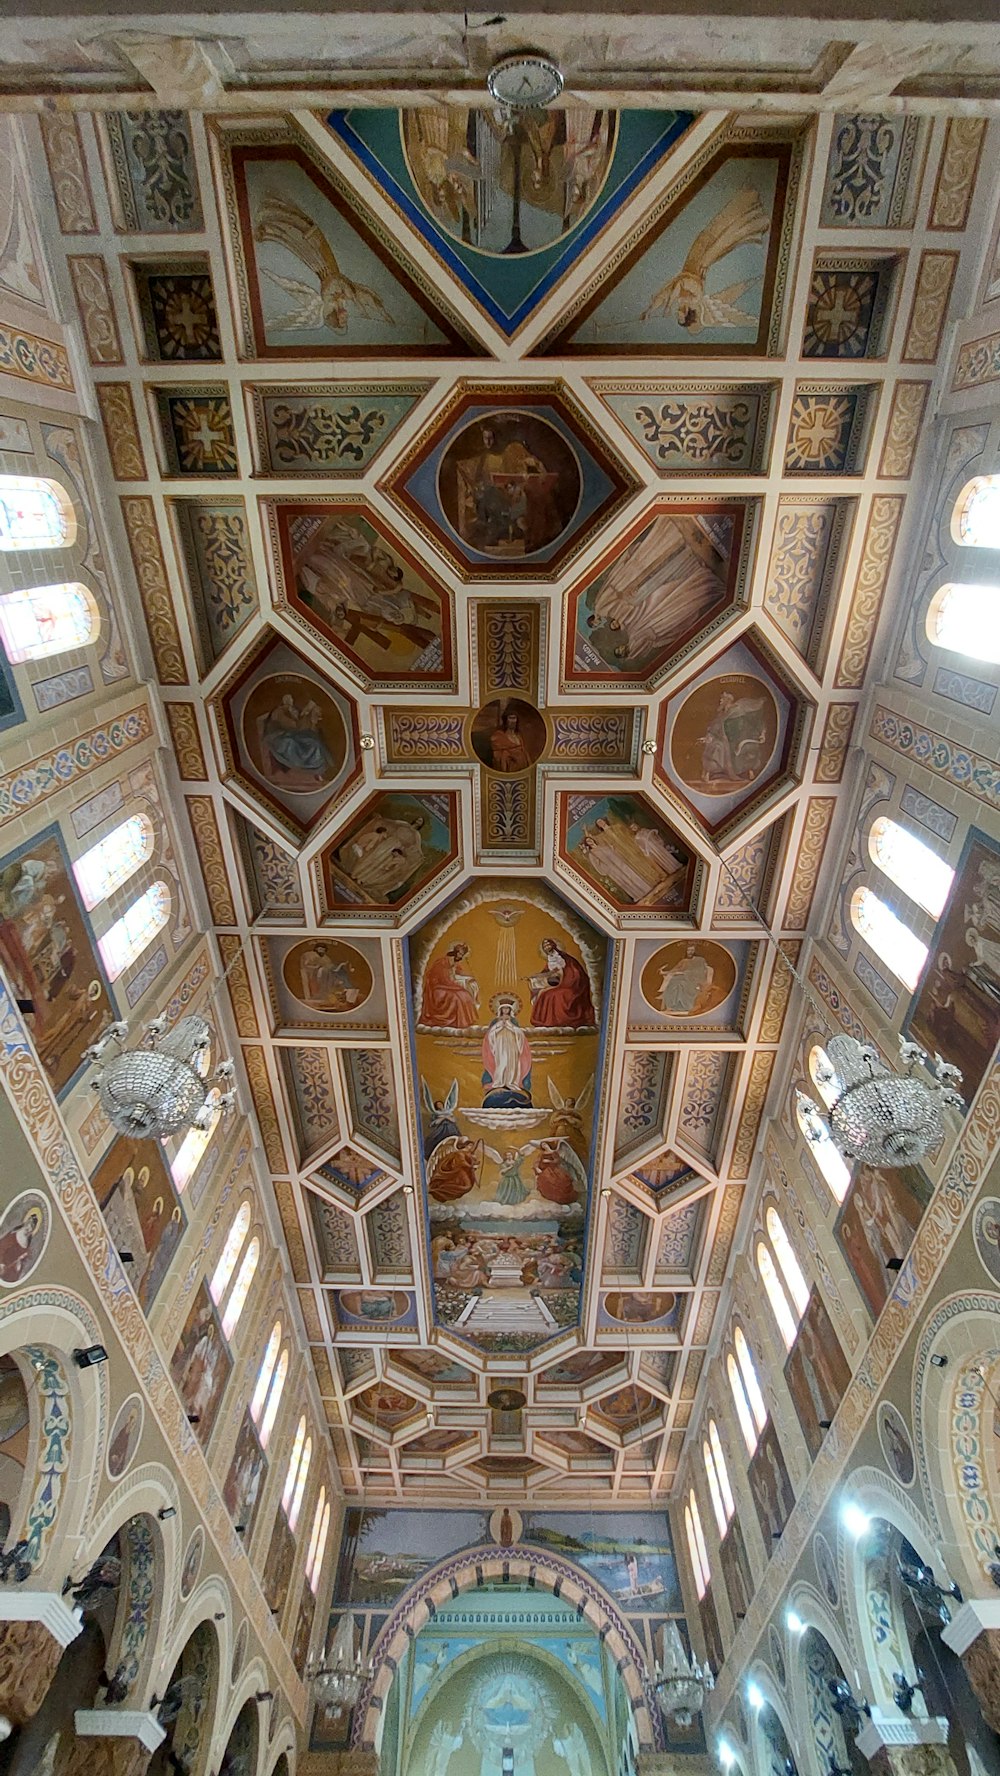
893 942
788 1263
822 1147
965 619
47 620
113 859
696 1546
823 1075
266 1369
189 1154
776 1295
293 1464
274 1399
300 1485
718 1478
241 1288
721 1469
230 1252
311 1575
975 518
135 930
911 864
35 514
748 1370
742 1404
317 1565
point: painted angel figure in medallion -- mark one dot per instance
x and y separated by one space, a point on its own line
281 220
741 222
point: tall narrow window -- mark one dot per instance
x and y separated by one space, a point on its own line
975 518
776 1295
135 930
113 859
715 1442
47 620
189 1154
274 1399
696 1546
718 1478
230 1252
300 1485
293 1464
748 1370
35 514
241 1288
317 1564
788 1263
713 1487
823 1075
884 931
267 1363
911 864
965 619
314 1538
827 1155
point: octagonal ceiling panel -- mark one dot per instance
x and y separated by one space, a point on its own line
390 853
628 855
510 480
346 579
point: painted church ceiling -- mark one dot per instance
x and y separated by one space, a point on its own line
512 504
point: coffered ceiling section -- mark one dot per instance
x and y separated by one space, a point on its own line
512 504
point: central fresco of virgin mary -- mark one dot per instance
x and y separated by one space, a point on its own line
507 993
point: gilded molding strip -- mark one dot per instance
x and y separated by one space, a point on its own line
968 771
208 842
30 1093
754 1096
264 1105
121 430
978 361
732 1200
963 146
55 771
869 590
930 306
154 587
812 844
68 172
97 312
32 359
778 993
182 720
902 432
238 984
836 741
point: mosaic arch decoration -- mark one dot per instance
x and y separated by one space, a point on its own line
508 203
507 1006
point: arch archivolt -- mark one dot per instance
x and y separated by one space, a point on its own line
211 1599
952 1419
817 1727
870 1584
763 1676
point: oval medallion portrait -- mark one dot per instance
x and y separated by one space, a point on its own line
509 484
986 1233
897 1445
192 1561
826 1571
688 978
724 734
24 1232
125 1434
631 1309
381 1307
328 976
294 734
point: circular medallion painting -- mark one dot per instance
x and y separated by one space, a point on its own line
508 735
777 1655
724 734
506 1526
24 1233
509 484
506 1399
125 1434
240 1650
826 1571
688 978
327 976
294 734
631 1309
192 1561
986 1232
897 1446
508 185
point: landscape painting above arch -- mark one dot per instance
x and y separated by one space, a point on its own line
507 990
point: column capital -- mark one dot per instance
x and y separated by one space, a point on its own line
120 1723
977 1616
889 1729
46 1607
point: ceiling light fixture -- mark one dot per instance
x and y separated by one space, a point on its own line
524 81
157 1089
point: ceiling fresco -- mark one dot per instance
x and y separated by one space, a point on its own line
512 504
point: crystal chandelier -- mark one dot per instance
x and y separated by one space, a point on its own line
679 1683
342 1673
875 1115
160 1087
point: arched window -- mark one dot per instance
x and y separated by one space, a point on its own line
274 1399
787 1324
748 1370
293 1464
884 931
241 1288
267 1363
788 1263
311 1575
47 620
113 859
317 1563
965 619
825 1152
135 930
742 1404
823 1075
35 514
189 1154
300 1485
696 1546
975 518
718 1477
230 1252
911 864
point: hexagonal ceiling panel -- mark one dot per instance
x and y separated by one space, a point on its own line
510 481
629 855
390 853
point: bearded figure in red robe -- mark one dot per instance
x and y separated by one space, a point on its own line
564 1001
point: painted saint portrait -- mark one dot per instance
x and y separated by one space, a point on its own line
509 484
630 1308
144 1214
374 1307
817 1373
294 734
770 1487
24 1233
201 1365
956 1010
508 735
245 1478
279 1563
736 1570
50 957
364 593
724 734
327 975
192 1561
124 1439
877 1221
623 847
826 1570
670 580
688 978
391 848
897 1444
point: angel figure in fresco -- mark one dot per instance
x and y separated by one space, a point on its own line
440 1116
455 1169
566 1120
281 220
383 855
733 746
559 1175
741 222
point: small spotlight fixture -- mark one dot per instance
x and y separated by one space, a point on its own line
755 1696
856 1521
126 1257
220 1616
264 1696
88 1356
894 1264
194 1418
165 1513
794 1623
939 1361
